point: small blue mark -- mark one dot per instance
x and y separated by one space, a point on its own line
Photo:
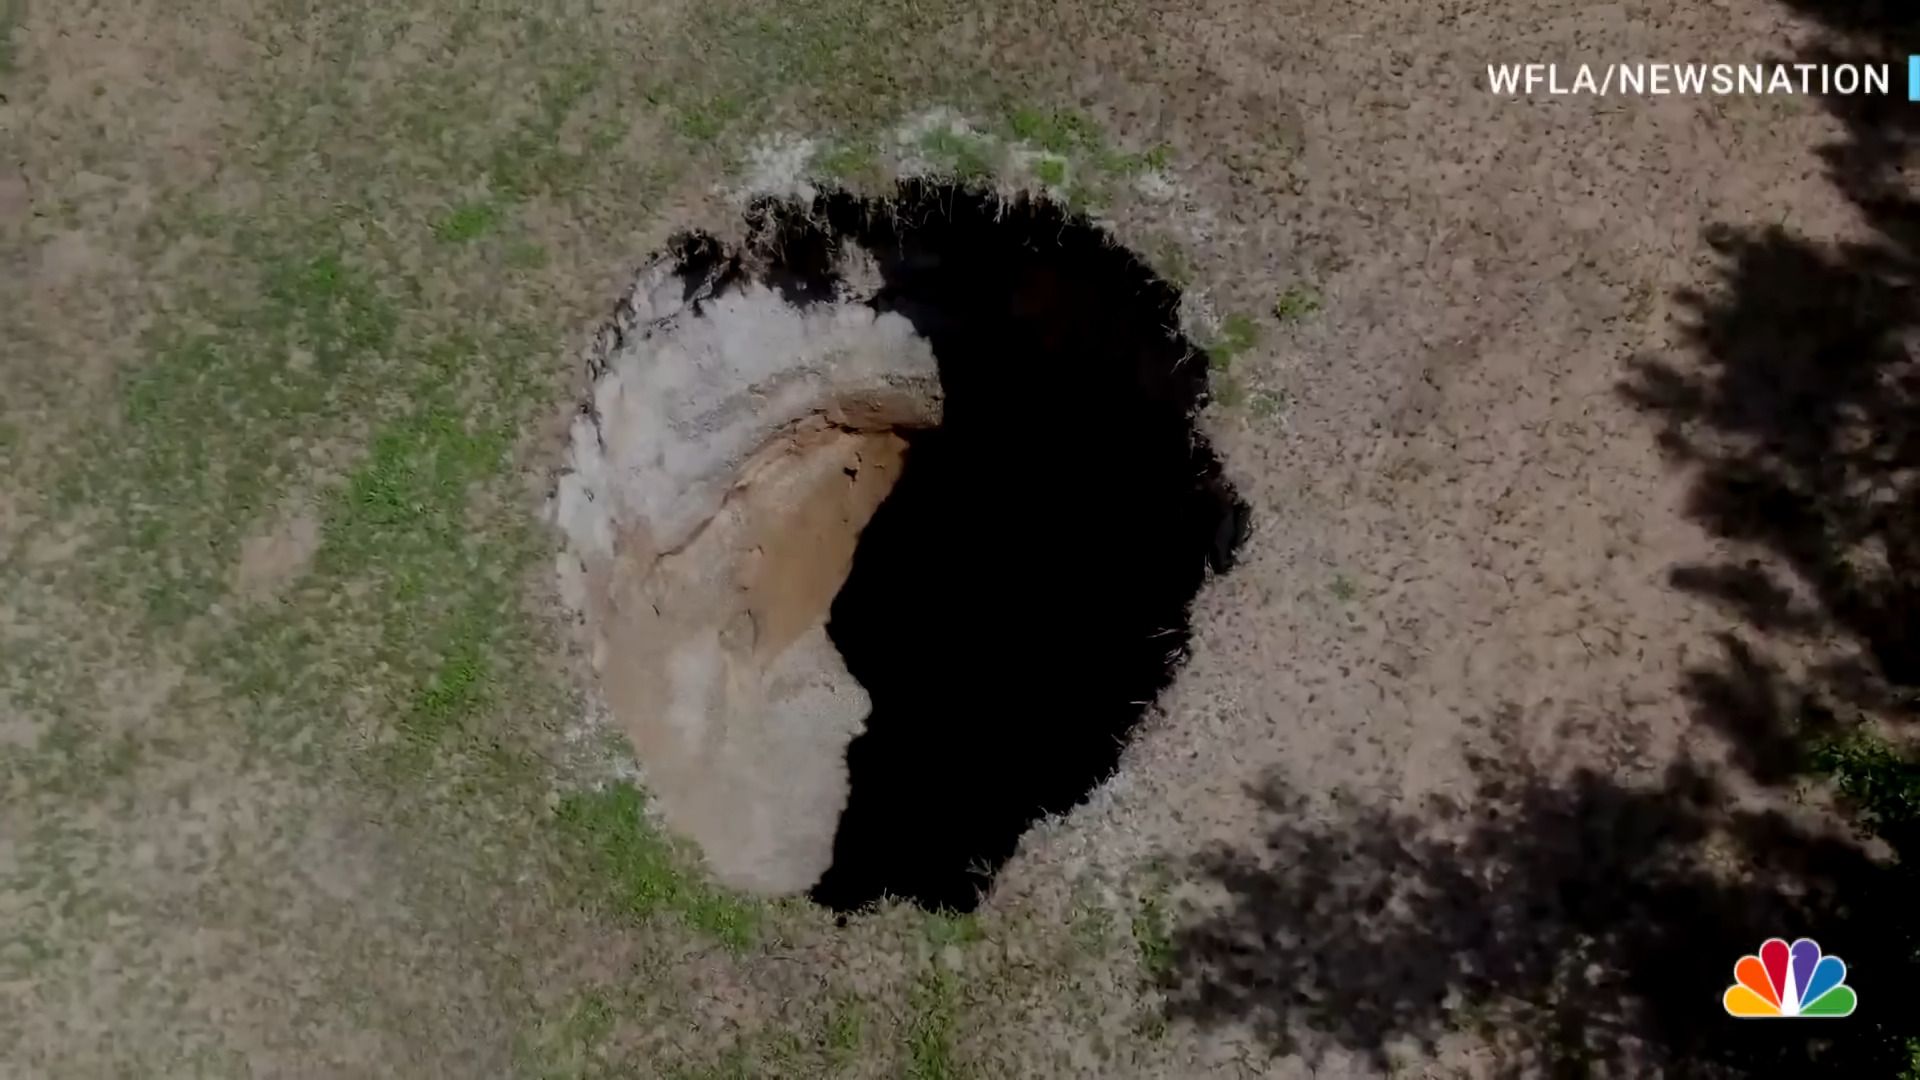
1913 78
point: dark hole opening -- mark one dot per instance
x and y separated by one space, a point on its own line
1022 594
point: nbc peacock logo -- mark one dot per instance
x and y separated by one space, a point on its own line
1785 981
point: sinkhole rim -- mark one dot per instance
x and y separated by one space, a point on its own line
809 252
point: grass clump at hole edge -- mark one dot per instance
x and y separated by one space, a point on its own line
848 164
1070 133
1236 335
945 928
1171 263
1062 132
642 873
970 158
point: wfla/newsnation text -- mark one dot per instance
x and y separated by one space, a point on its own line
1602 80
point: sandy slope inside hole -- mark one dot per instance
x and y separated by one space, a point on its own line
736 446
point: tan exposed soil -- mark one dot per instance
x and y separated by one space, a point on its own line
759 791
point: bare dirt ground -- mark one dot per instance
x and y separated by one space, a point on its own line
1579 448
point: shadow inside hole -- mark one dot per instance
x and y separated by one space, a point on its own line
1022 594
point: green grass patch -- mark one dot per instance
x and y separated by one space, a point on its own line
469 222
76 759
209 417
831 1043
848 164
830 63
12 14
333 309
412 491
1880 784
1171 263
1086 195
1883 787
950 928
1153 935
1152 923
1073 135
456 688
1149 1024
1093 929
644 875
567 1047
1343 588
1058 131
1051 171
1236 335
526 255
533 159
735 1064
1296 304
707 119
1267 404
1227 390
843 1032
969 158
933 1025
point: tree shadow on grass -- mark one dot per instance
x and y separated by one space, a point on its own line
1583 927
1587 927
1795 398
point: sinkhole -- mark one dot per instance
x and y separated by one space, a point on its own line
885 522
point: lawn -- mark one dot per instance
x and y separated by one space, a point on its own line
298 769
